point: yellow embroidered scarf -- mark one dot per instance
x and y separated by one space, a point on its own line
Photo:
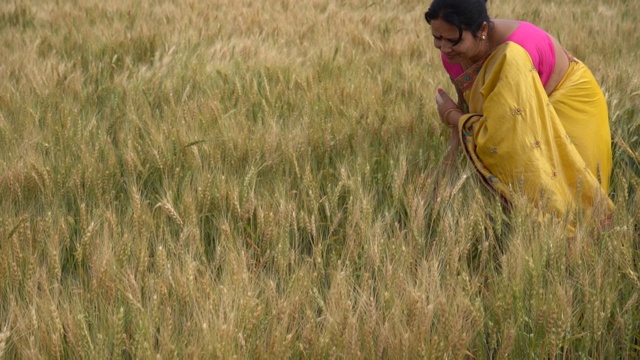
516 141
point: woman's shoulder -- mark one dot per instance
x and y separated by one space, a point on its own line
518 30
504 28
508 23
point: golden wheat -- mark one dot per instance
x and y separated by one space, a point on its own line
192 179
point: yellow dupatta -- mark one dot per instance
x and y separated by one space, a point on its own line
516 141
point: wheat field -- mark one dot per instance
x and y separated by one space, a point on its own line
265 180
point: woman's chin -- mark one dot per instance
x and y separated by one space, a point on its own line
453 59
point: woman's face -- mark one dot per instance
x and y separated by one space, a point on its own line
467 50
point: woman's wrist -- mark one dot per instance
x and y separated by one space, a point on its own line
445 117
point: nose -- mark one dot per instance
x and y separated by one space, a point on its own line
441 45
445 48
438 44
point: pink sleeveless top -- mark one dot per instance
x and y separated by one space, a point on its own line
534 40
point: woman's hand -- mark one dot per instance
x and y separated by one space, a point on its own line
448 110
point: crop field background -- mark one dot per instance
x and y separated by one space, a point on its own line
266 180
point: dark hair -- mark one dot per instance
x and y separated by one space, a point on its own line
464 14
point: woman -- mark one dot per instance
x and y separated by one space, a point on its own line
531 118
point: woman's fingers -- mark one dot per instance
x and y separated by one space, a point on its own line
443 95
444 102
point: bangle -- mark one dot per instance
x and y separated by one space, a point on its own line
446 113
